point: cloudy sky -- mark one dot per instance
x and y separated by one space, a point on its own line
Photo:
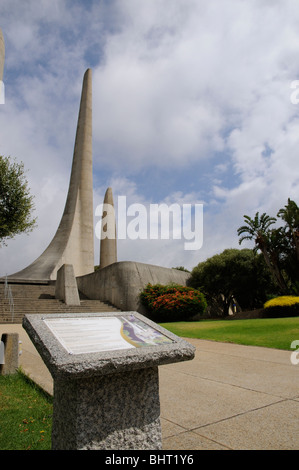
192 104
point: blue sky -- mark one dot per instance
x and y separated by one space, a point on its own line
191 104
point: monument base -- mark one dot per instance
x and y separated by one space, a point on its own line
111 412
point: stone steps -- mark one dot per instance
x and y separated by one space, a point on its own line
40 299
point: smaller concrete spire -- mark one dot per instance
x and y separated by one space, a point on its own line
108 247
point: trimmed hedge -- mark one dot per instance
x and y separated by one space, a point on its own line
172 302
283 306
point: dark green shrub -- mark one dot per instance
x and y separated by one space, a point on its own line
172 302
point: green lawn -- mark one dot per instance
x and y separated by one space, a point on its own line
268 332
25 414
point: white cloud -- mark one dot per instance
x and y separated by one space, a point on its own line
168 90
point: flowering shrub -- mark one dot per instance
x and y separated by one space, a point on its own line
173 302
283 306
283 301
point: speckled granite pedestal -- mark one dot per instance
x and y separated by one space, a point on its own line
105 372
119 411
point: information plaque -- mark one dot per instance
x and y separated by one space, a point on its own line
97 334
106 379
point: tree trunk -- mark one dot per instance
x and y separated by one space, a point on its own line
274 270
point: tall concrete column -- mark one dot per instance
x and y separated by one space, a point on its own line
108 248
73 242
80 246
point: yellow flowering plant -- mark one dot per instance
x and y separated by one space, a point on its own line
282 301
283 306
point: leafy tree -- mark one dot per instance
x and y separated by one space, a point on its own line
233 276
16 203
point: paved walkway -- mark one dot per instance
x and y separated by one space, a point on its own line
227 397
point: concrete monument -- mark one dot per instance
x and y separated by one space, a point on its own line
72 247
73 242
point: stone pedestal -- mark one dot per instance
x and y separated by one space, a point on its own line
118 411
105 371
10 343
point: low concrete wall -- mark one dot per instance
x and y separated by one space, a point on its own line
121 283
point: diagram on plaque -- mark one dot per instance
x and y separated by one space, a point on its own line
79 335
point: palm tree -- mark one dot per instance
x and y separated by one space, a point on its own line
258 229
290 214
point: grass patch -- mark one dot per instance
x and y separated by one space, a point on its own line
26 414
267 332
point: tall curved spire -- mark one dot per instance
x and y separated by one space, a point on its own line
73 242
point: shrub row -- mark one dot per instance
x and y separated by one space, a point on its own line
172 302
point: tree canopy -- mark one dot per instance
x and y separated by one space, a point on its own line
249 277
16 203
232 276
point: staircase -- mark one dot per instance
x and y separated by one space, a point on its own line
35 298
